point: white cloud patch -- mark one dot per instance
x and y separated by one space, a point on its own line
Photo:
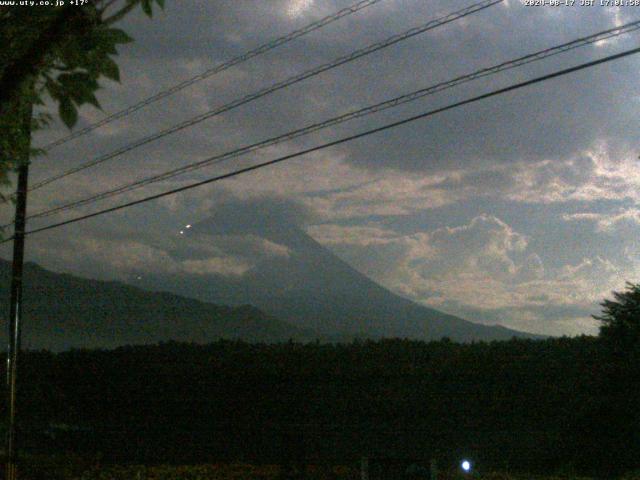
107 259
296 8
227 266
483 270
598 173
626 218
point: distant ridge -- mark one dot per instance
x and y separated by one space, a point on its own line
64 311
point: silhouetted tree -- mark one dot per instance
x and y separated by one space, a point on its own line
613 414
620 319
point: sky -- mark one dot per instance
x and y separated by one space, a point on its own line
522 209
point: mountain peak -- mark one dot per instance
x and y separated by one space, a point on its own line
313 288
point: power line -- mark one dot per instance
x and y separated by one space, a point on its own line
339 141
277 86
540 55
217 69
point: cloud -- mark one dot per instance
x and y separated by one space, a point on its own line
565 147
257 215
221 266
483 270
620 221
296 8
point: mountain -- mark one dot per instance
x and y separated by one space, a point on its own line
304 292
312 288
64 311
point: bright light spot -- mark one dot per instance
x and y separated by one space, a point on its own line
188 226
466 465
139 278
181 232
298 7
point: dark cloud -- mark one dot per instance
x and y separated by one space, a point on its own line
263 216
529 163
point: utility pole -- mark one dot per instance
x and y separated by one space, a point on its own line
16 97
15 310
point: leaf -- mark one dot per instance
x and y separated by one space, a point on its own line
54 89
146 7
104 44
161 3
91 99
114 36
78 86
110 69
68 112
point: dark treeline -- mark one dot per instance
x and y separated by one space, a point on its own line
523 405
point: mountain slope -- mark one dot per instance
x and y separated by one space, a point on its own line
312 288
63 311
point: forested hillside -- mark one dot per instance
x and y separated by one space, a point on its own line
64 311
533 406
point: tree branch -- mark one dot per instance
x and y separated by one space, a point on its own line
120 13
27 65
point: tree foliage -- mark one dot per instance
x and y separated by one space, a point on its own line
620 319
522 405
560 404
58 53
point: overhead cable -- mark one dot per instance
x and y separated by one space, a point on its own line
340 141
215 70
275 87
372 109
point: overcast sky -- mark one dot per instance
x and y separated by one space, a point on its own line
520 210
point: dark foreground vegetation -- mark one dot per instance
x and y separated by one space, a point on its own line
70 468
523 406
530 406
